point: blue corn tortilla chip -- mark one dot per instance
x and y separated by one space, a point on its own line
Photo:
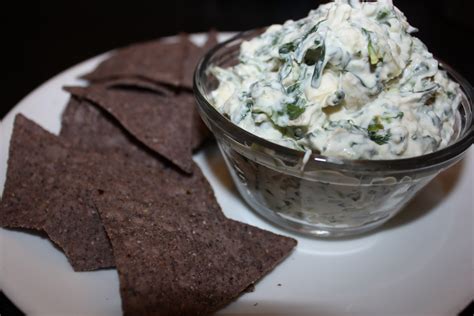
41 193
199 131
49 182
156 61
175 257
159 123
89 128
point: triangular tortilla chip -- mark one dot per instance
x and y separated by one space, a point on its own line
30 165
158 122
157 61
41 192
89 128
174 257
199 131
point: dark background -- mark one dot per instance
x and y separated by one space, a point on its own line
43 38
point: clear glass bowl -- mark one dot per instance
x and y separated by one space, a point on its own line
325 196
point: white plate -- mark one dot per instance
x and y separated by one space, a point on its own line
420 263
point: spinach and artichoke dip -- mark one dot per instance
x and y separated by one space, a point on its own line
349 81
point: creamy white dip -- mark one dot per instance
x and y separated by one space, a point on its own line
349 80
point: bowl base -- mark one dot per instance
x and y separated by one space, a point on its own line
312 230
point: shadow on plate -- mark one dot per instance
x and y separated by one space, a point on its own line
424 201
429 197
216 163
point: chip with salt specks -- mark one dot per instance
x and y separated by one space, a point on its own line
90 128
73 222
47 189
160 123
49 184
199 131
175 257
157 61
31 164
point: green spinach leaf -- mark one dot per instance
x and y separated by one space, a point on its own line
377 133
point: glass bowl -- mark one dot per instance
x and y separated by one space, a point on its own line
320 195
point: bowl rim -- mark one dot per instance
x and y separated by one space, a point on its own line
432 159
